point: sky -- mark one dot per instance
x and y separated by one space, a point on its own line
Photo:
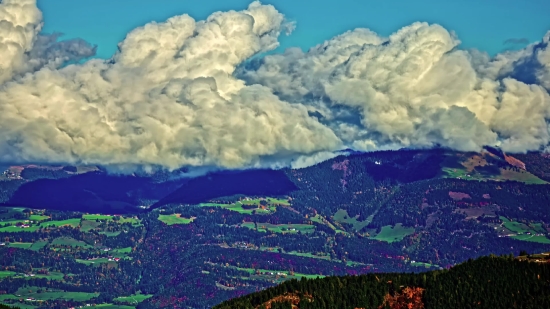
216 91
485 25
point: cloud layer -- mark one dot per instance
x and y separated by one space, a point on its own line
417 89
181 93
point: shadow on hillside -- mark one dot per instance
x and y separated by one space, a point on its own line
251 182
92 192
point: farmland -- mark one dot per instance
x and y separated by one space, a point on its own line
532 232
175 219
245 206
481 167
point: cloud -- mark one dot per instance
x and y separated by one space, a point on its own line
20 23
168 98
184 93
416 89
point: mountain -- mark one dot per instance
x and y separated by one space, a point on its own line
487 282
90 188
197 242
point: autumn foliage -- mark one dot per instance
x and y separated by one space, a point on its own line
409 298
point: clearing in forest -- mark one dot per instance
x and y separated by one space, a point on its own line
392 234
343 217
175 219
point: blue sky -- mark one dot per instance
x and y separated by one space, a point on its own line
482 24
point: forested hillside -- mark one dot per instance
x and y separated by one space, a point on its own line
488 282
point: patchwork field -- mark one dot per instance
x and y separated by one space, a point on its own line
526 232
480 167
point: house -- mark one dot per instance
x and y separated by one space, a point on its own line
117 259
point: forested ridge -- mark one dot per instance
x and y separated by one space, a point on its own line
488 282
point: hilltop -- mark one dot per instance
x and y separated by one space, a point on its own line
58 187
488 282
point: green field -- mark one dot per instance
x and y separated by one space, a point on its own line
281 228
133 299
26 245
97 217
522 229
95 262
391 234
174 219
110 218
121 253
88 225
237 206
32 292
69 222
110 234
343 217
6 273
38 245
21 245
68 241
516 227
22 306
13 228
420 264
122 250
309 255
38 217
51 276
111 306
282 272
539 239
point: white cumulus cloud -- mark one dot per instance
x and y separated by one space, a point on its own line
416 89
168 98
